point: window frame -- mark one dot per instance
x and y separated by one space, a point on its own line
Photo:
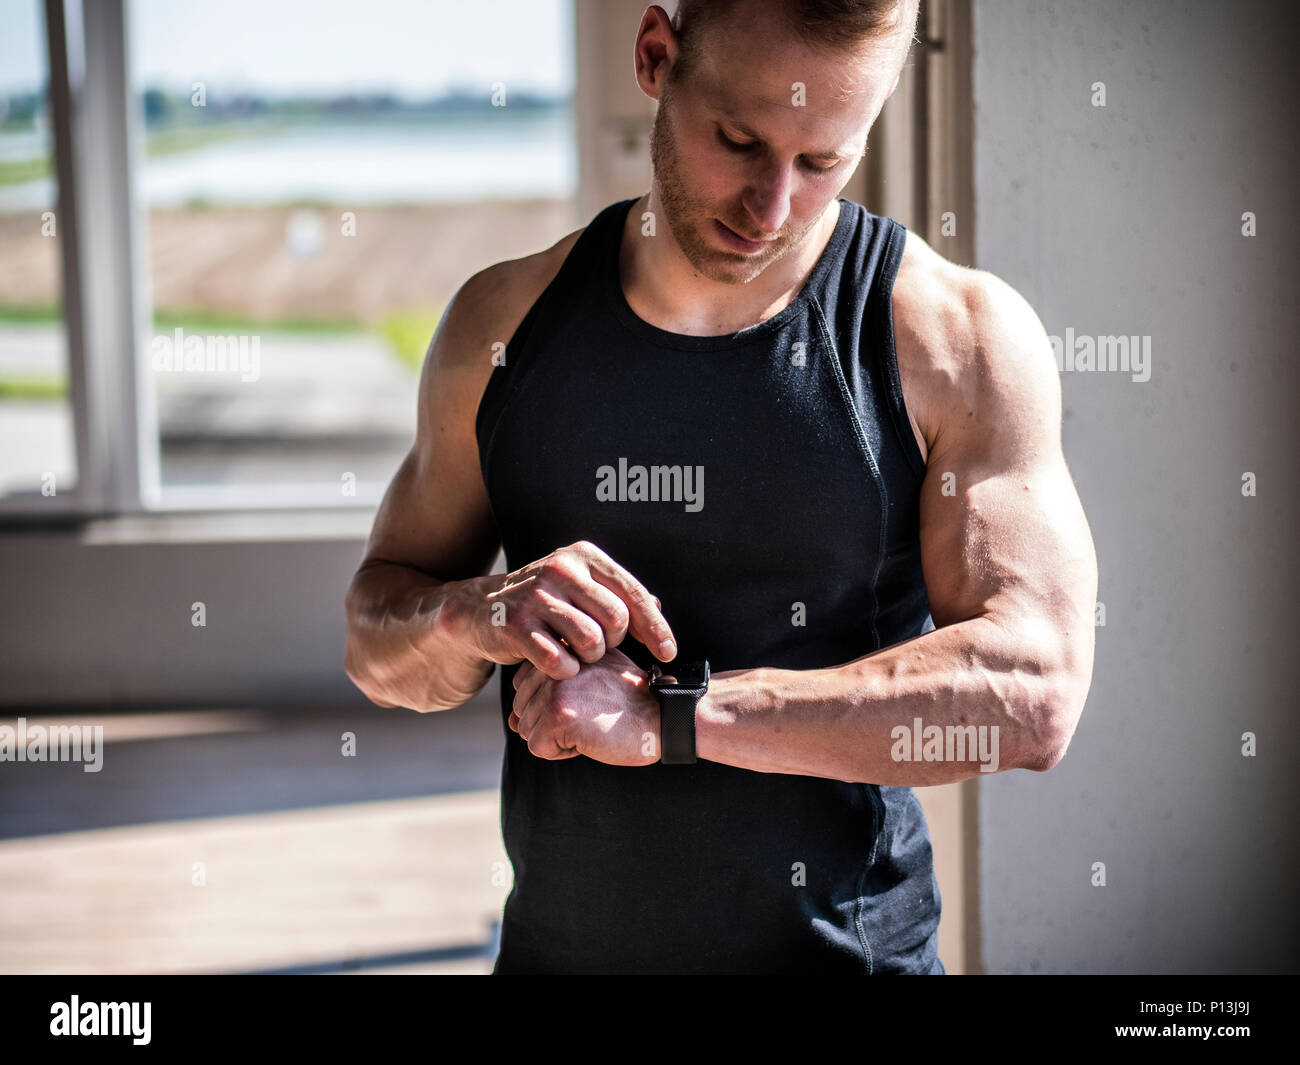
104 305
107 308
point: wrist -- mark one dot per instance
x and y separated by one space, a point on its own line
722 706
457 611
653 723
678 690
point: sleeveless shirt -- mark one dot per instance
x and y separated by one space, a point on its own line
799 550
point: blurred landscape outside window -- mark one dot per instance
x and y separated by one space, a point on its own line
37 443
318 179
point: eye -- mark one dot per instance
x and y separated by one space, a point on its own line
735 146
822 169
745 146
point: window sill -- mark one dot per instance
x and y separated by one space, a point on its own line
226 526
345 523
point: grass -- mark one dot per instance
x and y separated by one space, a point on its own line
29 387
176 139
171 141
217 322
408 333
208 321
16 171
24 315
409 336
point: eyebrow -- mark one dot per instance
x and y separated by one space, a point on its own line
744 130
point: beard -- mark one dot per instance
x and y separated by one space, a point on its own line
691 219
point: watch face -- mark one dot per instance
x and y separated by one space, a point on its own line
688 675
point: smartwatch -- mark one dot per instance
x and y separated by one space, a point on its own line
678 693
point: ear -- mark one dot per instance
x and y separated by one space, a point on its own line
656 47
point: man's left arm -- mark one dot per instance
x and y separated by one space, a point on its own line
1011 576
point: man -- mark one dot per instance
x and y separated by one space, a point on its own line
881 433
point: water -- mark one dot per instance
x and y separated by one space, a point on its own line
496 156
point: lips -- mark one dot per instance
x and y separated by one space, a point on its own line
736 240
752 240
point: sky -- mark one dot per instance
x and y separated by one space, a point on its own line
414 48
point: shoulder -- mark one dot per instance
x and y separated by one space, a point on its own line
972 354
491 303
484 312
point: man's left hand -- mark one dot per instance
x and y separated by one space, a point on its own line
606 712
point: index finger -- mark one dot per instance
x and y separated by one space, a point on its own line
645 619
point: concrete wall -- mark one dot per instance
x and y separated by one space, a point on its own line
102 616
1126 219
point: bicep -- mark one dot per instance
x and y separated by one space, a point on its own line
1007 539
435 515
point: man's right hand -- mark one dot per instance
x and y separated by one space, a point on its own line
421 605
568 608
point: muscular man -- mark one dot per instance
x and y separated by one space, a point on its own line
887 547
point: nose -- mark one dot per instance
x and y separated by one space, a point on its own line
767 199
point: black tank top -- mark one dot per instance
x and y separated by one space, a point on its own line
804 555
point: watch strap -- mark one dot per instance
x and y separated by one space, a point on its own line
677 726
678 698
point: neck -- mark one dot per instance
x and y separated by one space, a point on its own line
664 288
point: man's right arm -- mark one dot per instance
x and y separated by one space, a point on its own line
434 525
423 622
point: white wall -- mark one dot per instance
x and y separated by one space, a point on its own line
1127 219
109 623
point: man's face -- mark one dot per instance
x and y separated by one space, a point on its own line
735 208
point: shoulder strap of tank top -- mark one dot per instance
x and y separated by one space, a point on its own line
857 300
574 281
560 296
588 254
892 239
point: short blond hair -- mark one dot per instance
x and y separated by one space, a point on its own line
833 24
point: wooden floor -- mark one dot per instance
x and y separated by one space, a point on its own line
245 842
383 883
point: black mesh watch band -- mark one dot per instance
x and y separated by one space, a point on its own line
677 727
678 696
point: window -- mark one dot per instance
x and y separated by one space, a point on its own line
37 438
316 190
286 196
